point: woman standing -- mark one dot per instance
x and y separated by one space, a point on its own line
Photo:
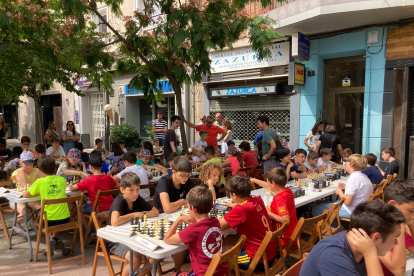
50 133
4 133
228 128
69 137
331 141
313 136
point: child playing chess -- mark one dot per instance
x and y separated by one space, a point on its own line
145 162
106 168
203 235
291 168
202 142
250 217
122 145
99 146
325 159
51 187
209 150
56 149
234 161
283 204
30 176
312 162
347 152
198 155
157 146
210 176
127 205
68 169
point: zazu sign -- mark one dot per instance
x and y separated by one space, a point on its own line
245 91
163 85
246 58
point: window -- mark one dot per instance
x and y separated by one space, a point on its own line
101 28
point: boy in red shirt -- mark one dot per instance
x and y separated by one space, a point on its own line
99 181
249 216
203 235
249 157
283 205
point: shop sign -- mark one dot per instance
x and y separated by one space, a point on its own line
346 82
245 58
299 74
77 117
163 85
245 91
83 81
300 46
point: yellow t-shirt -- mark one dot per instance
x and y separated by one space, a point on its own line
30 179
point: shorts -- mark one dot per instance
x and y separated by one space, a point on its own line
87 208
184 273
57 222
118 249
244 262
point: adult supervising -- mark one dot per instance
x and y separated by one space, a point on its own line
212 130
159 126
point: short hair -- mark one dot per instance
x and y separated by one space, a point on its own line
121 142
376 216
25 139
245 146
348 151
181 164
203 132
17 150
79 146
171 156
130 157
326 151
230 143
210 117
217 151
330 129
390 150
129 179
263 119
281 153
175 118
277 175
95 162
96 153
40 148
198 148
299 151
98 140
239 185
200 198
209 150
184 152
54 140
3 141
359 162
46 165
313 155
401 191
159 112
154 140
371 159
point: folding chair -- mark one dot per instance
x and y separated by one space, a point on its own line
326 229
295 269
9 173
4 208
246 170
309 226
102 251
75 225
230 255
377 196
118 164
95 206
278 264
394 177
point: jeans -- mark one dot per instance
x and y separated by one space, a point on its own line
162 141
318 210
269 163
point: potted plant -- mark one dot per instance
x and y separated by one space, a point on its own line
150 132
128 133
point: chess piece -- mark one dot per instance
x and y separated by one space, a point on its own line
182 209
132 221
136 221
166 219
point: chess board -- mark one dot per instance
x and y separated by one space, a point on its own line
154 229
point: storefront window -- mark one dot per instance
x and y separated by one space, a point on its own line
148 112
145 116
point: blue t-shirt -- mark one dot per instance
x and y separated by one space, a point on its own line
293 169
332 256
105 168
258 138
373 174
7 153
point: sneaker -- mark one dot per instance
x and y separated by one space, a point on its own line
63 248
52 244
20 231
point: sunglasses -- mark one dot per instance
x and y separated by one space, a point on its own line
209 122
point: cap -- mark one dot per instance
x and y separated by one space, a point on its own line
95 161
145 153
27 157
75 154
232 150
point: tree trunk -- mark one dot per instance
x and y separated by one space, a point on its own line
177 91
39 128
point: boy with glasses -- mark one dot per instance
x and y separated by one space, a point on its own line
25 142
172 190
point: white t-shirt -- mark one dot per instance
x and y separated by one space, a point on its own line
59 152
359 186
313 139
195 158
201 144
321 162
309 166
125 150
143 176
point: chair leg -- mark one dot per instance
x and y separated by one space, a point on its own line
3 223
87 230
121 268
39 236
95 260
82 243
49 257
106 257
75 233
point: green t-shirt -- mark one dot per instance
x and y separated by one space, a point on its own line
268 136
52 187
140 163
218 162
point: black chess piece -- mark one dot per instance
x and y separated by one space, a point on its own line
137 220
162 234
132 221
149 232
142 219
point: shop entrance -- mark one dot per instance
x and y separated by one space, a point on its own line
343 103
10 117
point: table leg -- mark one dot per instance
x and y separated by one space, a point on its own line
27 231
131 261
154 267
14 225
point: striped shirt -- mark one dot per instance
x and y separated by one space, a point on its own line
159 125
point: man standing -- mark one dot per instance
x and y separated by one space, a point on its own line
219 123
203 120
159 126
213 131
170 138
268 142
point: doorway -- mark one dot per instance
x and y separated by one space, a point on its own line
10 117
343 101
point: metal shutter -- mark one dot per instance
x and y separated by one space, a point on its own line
251 103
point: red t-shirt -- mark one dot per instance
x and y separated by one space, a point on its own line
408 243
204 239
235 165
213 131
250 160
250 218
284 204
95 183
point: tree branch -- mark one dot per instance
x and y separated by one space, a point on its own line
99 47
